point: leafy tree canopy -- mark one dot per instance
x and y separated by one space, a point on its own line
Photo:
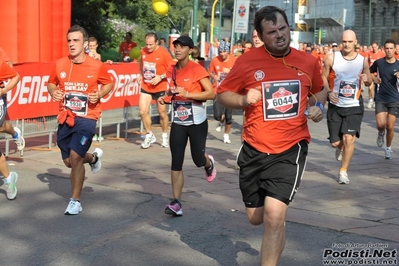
108 20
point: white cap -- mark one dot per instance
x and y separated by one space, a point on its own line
334 44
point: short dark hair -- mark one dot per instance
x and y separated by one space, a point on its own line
130 34
390 41
267 13
152 34
76 28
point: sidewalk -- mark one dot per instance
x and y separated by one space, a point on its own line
123 223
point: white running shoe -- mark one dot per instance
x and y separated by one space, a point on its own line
74 207
338 154
20 141
388 154
380 139
219 127
343 178
165 142
11 186
226 138
95 167
149 139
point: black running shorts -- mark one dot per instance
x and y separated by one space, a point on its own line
274 175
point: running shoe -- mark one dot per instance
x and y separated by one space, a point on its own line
11 186
95 167
19 140
174 208
388 153
343 178
74 207
226 138
165 142
210 173
338 154
380 138
219 127
149 139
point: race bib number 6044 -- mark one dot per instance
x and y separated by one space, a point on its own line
281 99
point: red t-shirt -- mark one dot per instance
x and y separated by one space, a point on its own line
277 122
125 48
154 63
217 66
3 55
80 80
375 56
6 72
188 77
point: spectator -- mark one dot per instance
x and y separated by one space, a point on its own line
125 47
93 48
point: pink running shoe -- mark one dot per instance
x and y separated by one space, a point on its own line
210 173
174 208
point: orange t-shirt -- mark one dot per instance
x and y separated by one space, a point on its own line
277 122
152 64
3 55
78 80
396 56
188 77
375 56
217 66
6 72
125 48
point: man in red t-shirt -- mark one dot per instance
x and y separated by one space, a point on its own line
280 89
73 83
153 65
10 178
219 67
125 47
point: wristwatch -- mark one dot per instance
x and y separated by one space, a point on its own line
162 76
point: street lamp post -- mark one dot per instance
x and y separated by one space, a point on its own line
213 20
220 18
195 22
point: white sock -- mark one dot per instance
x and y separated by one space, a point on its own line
7 179
164 135
388 148
226 135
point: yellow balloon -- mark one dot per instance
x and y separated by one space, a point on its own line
160 7
135 53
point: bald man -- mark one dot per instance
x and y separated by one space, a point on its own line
345 107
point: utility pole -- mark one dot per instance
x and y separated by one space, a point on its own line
195 22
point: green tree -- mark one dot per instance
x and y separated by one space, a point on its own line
108 20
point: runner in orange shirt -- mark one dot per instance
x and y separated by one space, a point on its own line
10 178
218 69
374 54
396 51
73 83
190 86
153 65
5 126
280 88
